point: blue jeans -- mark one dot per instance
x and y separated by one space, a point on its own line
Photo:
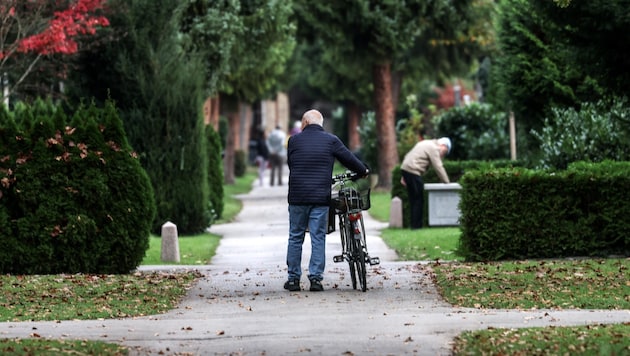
315 218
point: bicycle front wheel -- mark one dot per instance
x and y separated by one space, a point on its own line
359 262
351 258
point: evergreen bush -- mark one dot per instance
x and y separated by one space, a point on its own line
159 91
74 197
368 136
596 132
477 132
215 171
240 163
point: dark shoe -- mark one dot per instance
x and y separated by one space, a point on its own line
316 286
292 285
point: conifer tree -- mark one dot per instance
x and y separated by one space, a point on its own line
158 87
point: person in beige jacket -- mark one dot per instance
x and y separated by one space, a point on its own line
414 165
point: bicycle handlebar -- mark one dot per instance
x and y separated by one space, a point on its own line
346 176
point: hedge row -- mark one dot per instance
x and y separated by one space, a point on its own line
73 196
518 213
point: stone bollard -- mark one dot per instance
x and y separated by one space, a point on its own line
396 213
170 243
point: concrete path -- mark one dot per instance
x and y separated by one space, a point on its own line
240 308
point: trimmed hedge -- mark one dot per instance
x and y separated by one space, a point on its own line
518 213
73 197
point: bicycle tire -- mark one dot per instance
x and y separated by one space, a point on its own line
351 258
358 254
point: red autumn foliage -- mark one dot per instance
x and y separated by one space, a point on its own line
65 25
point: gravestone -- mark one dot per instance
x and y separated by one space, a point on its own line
443 203
396 213
170 243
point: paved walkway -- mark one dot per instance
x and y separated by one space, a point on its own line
240 308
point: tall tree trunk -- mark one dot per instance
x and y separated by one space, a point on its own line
245 126
354 119
397 78
207 109
211 112
385 124
214 115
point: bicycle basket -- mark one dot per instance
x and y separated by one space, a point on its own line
351 199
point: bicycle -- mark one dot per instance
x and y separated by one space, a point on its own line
348 202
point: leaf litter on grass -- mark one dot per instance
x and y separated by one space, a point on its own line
91 296
595 339
560 284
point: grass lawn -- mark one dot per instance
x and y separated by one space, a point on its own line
85 296
199 249
554 284
437 243
609 340
44 347
193 250
232 206
428 244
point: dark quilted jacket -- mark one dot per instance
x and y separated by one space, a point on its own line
311 155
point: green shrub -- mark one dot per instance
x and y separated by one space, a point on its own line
240 163
160 92
607 194
409 130
74 197
369 143
519 213
477 131
595 132
215 171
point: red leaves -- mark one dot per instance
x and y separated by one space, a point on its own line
114 146
63 28
6 13
56 231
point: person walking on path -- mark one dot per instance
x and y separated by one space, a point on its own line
311 155
262 154
414 165
277 154
296 129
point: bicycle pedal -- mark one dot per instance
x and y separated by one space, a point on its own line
338 258
374 261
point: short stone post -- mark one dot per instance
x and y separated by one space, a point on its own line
396 213
170 243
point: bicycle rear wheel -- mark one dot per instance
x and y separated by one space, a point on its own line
358 254
359 262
